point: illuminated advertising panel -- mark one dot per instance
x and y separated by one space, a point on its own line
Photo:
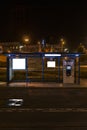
18 64
51 64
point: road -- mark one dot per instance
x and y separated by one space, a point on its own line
43 121
45 97
44 108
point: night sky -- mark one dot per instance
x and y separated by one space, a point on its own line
42 19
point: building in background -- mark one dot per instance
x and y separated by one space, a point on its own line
10 46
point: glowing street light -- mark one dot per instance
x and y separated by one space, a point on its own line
26 40
61 40
39 46
62 44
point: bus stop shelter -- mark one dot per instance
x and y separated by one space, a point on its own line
43 67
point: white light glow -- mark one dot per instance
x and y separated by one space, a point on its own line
68 67
52 54
15 102
18 64
77 55
51 64
21 47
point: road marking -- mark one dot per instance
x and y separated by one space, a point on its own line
43 109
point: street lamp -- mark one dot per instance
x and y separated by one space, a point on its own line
61 40
39 46
26 42
26 39
62 44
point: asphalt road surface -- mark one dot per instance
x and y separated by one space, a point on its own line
44 109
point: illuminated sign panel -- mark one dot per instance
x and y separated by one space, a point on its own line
68 67
18 64
51 64
52 55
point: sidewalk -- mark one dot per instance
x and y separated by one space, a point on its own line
2 83
83 83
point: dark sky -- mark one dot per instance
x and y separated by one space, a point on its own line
44 19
